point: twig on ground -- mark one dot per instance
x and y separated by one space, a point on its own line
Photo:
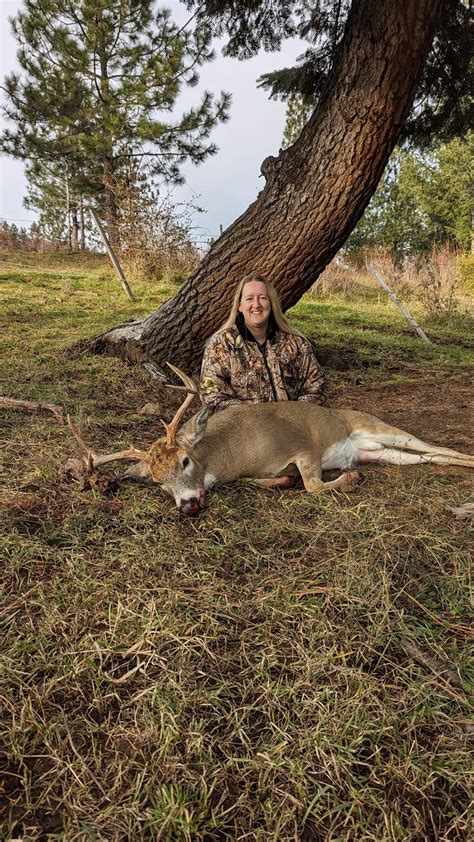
431 663
32 406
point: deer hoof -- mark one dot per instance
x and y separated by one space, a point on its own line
351 478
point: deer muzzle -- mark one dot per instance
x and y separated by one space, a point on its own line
192 506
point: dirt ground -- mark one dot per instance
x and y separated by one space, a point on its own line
438 412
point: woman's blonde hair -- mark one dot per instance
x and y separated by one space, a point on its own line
280 320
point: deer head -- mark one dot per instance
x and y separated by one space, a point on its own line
170 461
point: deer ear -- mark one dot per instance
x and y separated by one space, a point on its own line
194 430
139 471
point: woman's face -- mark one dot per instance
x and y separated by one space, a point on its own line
255 305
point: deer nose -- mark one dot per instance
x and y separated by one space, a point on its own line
191 507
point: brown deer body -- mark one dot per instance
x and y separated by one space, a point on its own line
264 442
261 442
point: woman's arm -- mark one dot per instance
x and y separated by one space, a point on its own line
311 376
216 388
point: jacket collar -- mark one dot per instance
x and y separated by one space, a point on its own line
248 336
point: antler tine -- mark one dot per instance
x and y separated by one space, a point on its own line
188 382
90 453
172 427
95 460
191 388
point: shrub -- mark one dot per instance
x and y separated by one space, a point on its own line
434 280
339 277
466 269
154 233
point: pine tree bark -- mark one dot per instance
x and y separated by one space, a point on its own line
315 191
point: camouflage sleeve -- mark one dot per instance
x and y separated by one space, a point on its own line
216 388
311 376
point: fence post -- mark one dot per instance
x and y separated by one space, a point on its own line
398 303
112 255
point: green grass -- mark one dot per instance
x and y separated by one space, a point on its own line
241 676
379 334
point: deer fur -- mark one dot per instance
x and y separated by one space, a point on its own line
265 443
262 442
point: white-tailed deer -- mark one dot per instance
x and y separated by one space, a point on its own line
265 443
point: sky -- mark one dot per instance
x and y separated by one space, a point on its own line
226 183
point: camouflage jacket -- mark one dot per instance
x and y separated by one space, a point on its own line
236 369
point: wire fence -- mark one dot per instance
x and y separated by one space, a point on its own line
205 242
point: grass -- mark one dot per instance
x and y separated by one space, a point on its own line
379 336
246 675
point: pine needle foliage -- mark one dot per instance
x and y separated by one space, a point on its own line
443 105
98 86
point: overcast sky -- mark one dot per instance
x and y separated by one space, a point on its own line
225 184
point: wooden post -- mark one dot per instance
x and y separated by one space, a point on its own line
112 254
68 215
82 242
391 294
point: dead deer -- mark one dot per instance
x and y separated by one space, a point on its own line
266 442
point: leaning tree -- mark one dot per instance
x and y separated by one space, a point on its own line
315 191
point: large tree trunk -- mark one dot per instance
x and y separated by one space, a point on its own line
315 191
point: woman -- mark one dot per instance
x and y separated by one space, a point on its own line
256 356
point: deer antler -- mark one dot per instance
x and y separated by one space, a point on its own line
84 468
192 390
93 460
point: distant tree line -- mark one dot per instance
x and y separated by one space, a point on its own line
14 238
424 199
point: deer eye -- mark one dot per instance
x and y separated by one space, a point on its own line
185 462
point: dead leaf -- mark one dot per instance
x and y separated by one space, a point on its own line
462 512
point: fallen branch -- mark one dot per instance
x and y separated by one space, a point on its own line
431 663
32 406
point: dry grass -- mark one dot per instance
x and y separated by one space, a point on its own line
435 282
340 278
243 676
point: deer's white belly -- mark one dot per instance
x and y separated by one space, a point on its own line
344 454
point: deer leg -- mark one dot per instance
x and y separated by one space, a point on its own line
274 482
391 456
311 476
404 441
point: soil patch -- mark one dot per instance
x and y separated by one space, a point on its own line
440 412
